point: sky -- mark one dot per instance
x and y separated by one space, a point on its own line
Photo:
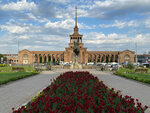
45 25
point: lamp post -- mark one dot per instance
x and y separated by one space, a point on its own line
33 59
136 52
118 58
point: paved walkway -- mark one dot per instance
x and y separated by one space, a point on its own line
128 87
16 93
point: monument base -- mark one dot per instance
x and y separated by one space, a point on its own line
76 64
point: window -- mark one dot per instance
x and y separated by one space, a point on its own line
25 56
127 58
25 59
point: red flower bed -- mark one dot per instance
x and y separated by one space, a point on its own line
81 92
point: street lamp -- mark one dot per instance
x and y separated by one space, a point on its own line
33 59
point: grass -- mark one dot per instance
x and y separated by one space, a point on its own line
9 68
130 73
7 75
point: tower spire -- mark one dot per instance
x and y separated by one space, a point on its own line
76 16
76 27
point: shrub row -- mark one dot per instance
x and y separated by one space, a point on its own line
14 78
80 92
131 76
2 65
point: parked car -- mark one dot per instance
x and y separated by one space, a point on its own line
90 63
147 65
108 67
67 64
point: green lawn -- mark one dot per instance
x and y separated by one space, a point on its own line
127 73
9 68
6 77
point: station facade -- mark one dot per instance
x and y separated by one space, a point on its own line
30 57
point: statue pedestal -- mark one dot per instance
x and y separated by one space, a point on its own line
76 63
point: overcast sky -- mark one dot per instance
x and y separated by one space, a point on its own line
106 25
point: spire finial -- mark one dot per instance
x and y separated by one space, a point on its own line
76 16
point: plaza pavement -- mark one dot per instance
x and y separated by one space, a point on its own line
19 92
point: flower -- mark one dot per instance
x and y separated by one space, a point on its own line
80 92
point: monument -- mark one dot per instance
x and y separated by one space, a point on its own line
76 64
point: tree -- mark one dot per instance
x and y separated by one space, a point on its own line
1 57
130 66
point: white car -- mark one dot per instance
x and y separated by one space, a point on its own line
65 63
90 63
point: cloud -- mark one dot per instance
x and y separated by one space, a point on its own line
67 24
46 9
109 9
59 1
116 42
69 12
18 6
26 47
46 24
26 10
14 29
147 22
120 24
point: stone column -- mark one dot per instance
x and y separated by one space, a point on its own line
96 59
113 58
100 59
105 58
47 58
55 57
43 58
38 58
35 58
109 58
91 58
60 57
51 57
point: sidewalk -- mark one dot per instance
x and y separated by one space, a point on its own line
129 87
19 92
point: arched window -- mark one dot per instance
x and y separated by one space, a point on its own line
25 57
127 58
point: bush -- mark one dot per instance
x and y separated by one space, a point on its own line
130 66
2 65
